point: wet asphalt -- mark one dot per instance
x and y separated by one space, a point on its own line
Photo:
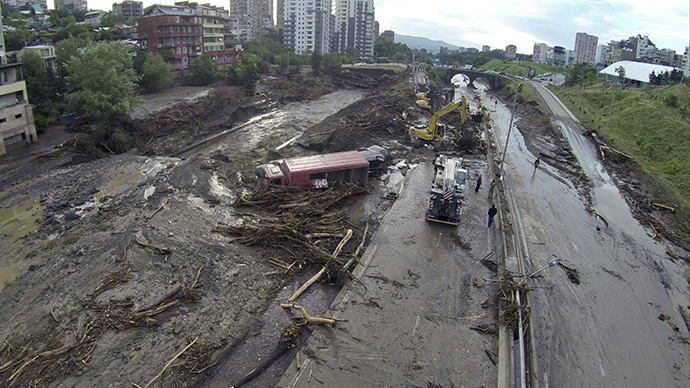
409 312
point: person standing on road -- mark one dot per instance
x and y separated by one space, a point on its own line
479 183
492 214
536 164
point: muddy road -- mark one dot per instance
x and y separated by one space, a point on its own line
615 313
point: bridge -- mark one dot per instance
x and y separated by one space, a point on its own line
494 80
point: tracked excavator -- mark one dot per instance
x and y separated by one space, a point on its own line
436 130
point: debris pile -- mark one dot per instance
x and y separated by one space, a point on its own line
305 225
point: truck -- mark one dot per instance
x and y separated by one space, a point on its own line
322 171
447 190
436 130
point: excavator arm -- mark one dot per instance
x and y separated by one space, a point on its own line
432 132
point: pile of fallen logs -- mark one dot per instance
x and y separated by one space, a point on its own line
305 225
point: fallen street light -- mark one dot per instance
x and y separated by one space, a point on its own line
552 263
510 126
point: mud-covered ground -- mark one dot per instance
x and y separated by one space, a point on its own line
111 267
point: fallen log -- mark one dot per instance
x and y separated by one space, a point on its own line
321 272
162 250
656 204
311 319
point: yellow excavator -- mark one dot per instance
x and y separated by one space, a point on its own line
436 130
423 100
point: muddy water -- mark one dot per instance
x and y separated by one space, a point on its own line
273 129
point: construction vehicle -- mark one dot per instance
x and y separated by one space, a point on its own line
422 100
436 130
447 190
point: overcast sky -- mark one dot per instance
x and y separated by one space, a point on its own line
498 23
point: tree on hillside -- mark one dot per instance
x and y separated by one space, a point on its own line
581 72
102 81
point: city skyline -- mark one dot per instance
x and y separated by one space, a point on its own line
498 23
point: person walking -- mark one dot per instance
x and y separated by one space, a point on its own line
536 164
492 214
479 183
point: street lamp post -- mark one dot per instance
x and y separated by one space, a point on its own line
581 97
510 126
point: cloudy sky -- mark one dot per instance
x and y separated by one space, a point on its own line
498 23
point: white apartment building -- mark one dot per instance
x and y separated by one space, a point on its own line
307 25
355 27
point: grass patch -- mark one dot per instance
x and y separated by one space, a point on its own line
652 124
520 68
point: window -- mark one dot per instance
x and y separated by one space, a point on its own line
18 115
318 175
3 120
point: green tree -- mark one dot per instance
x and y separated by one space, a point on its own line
103 82
202 71
316 62
68 48
620 70
155 73
580 72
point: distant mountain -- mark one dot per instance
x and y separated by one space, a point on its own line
419 43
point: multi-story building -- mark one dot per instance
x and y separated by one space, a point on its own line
586 48
251 18
511 51
16 117
46 52
188 30
486 48
130 10
94 18
18 3
540 52
72 5
388 36
306 25
354 27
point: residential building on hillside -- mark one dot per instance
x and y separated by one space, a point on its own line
94 18
511 51
306 26
354 27
19 3
188 30
251 18
130 10
16 117
72 5
486 48
280 11
46 52
586 48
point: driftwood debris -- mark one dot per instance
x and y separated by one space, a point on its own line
302 226
162 250
309 318
171 361
323 269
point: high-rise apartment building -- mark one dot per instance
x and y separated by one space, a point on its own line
354 27
586 48
251 18
129 9
306 25
188 30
